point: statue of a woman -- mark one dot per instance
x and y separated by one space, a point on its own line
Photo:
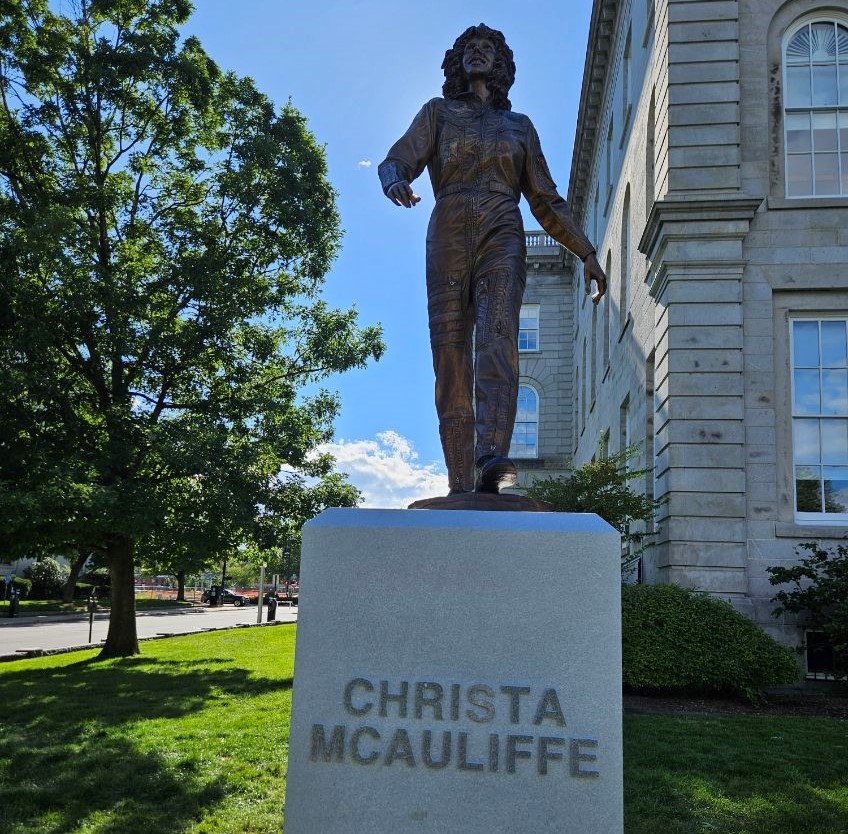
481 158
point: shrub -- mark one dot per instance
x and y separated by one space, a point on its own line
674 638
101 580
819 593
602 486
82 590
48 577
24 586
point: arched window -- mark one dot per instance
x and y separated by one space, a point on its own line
525 434
624 271
650 154
815 100
594 358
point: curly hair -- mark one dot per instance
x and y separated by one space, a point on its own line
503 72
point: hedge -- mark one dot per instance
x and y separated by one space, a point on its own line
677 639
24 586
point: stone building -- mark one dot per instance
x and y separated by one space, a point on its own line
711 170
542 441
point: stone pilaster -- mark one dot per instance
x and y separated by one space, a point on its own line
695 248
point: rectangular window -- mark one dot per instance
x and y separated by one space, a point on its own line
820 418
528 327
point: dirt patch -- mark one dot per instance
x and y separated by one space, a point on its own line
830 702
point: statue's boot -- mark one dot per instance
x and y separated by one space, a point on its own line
457 436
495 472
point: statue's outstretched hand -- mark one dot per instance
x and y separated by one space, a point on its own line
401 194
592 272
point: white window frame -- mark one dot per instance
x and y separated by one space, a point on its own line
529 422
807 517
531 312
840 109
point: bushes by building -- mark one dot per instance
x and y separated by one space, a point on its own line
22 586
47 577
677 639
818 593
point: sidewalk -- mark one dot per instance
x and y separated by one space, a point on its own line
48 633
61 617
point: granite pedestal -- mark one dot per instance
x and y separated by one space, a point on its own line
457 671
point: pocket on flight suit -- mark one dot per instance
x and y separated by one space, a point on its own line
446 306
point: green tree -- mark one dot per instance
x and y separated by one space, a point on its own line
164 233
818 592
602 486
198 533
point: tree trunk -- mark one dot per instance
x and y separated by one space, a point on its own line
181 585
121 639
71 585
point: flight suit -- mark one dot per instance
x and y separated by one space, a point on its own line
480 159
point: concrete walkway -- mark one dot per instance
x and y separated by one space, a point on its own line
64 631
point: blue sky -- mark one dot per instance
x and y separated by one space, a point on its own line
359 71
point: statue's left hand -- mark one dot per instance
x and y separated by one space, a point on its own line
592 272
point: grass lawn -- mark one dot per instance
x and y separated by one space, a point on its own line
188 737
191 737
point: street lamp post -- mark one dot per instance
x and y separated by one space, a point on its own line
261 592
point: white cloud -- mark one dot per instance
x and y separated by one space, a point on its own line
365 163
386 470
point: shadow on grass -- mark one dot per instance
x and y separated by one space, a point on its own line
66 760
749 775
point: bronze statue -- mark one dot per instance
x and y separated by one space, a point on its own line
481 158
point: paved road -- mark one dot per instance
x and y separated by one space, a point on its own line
59 632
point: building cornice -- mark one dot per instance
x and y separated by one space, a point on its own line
691 211
691 234
597 65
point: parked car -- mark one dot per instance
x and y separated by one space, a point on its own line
226 596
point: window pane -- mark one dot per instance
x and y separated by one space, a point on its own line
799 175
807 398
798 87
527 340
833 344
845 172
843 81
798 132
827 173
836 489
824 131
805 344
798 49
805 440
808 489
527 407
834 435
524 441
824 85
823 42
842 42
834 392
